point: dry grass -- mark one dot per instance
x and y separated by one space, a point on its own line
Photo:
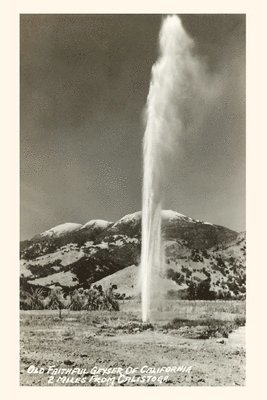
119 339
192 309
183 310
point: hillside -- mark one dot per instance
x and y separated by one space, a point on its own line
75 255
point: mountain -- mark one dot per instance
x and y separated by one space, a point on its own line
61 230
74 255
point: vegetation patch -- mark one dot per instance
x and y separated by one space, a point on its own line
134 326
94 298
204 328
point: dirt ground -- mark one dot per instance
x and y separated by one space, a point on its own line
81 343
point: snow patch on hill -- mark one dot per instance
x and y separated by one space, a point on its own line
134 217
62 229
102 245
170 214
166 215
97 223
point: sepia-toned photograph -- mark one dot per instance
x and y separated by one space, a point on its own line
132 200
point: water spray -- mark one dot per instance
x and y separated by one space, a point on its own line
167 93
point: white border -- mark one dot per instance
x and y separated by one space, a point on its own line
256 197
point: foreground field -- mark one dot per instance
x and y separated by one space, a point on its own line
83 342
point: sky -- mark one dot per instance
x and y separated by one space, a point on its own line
84 81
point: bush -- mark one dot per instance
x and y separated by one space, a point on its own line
33 299
200 291
175 276
93 299
80 299
55 300
210 328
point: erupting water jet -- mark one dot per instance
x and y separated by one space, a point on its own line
168 90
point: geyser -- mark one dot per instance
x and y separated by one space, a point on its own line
168 92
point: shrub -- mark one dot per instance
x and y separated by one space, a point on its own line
94 299
211 328
32 299
79 299
55 300
200 290
175 276
76 300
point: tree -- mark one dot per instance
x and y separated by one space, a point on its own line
204 292
55 300
97 299
32 299
76 300
200 291
192 290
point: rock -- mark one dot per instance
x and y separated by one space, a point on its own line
183 331
169 381
110 334
68 332
195 332
68 362
221 340
90 335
